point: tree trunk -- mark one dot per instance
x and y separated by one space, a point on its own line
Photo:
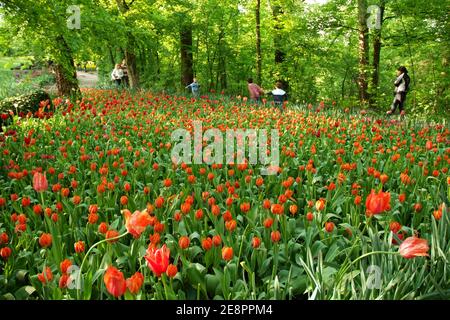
130 56
187 70
223 72
363 52
258 43
133 73
111 57
377 57
280 56
65 71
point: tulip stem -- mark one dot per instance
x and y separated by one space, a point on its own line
87 254
163 278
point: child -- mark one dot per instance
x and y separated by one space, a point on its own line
401 88
117 75
279 95
254 90
195 87
125 78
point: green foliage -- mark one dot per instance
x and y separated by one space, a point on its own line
320 44
24 103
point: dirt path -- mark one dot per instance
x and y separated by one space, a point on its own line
87 79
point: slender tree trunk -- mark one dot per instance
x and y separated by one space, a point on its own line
65 71
280 56
111 57
258 42
377 57
187 70
223 72
363 52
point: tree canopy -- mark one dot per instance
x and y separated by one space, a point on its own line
320 49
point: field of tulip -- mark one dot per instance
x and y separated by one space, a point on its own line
92 206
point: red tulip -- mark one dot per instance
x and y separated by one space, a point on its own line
256 242
65 265
115 282
63 281
46 275
207 244
414 247
158 259
4 238
329 227
378 203
5 252
40 183
137 222
217 240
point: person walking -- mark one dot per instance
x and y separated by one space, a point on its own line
401 88
117 75
195 88
279 95
254 90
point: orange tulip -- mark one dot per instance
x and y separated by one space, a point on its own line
158 259
277 208
137 222
245 207
172 271
320 204
79 247
414 247
293 209
227 253
115 282
45 240
111 234
134 283
275 236
184 242
378 203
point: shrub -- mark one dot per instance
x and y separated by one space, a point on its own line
23 105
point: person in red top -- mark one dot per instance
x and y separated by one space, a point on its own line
255 91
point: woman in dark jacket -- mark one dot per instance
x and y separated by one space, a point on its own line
401 88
